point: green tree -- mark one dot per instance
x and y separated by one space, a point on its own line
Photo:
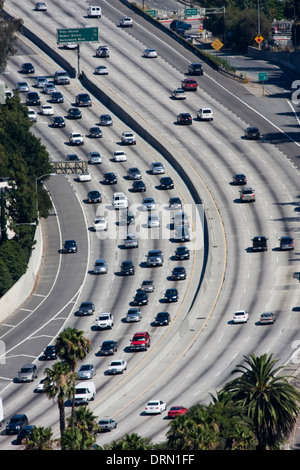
83 436
40 439
130 442
272 403
6 280
8 39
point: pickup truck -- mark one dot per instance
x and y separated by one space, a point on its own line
61 78
131 241
117 367
84 393
140 341
104 321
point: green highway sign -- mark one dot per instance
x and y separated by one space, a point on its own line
77 35
191 11
151 13
262 76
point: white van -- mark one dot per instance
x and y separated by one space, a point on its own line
84 392
94 12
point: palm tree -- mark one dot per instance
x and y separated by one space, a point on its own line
85 421
130 442
40 439
271 402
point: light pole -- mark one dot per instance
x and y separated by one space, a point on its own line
258 22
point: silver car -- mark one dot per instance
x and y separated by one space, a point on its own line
134 314
157 168
27 373
86 371
100 266
153 221
95 158
148 204
155 258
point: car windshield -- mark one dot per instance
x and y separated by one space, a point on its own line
107 344
86 367
26 369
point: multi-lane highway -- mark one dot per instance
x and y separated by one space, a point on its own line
194 356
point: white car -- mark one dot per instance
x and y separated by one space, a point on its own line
126 21
120 201
40 6
101 70
100 224
117 366
240 316
205 114
150 53
84 177
41 387
95 157
179 94
32 115
86 371
22 87
40 82
155 407
47 110
75 138
120 156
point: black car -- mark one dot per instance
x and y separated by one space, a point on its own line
286 243
138 186
83 99
86 308
182 252
94 196
74 113
33 99
252 133
57 97
70 246
239 179
108 348
127 268
109 178
25 433
162 318
184 119
166 182
50 352
177 24
195 69
16 423
171 295
58 121
140 298
175 203
72 157
95 132
27 68
178 273
260 244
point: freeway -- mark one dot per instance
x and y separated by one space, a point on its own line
202 345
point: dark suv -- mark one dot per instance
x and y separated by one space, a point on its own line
33 99
286 243
127 267
195 69
16 423
259 244
70 246
176 25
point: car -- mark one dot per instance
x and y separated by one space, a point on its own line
175 411
128 138
127 217
138 186
101 70
47 110
75 138
22 87
100 224
155 258
95 132
179 94
25 433
120 156
117 366
240 316
70 246
260 243
150 53
44 385
94 196
86 308
102 51
108 348
184 119
134 314
58 121
171 295
147 286
95 158
110 178
27 68
27 373
61 77
32 115
247 195
86 371
106 424
166 182
40 82
182 234
157 168
195 69
286 243
33 99
83 99
178 273
155 407
57 97
252 133
119 201
72 157
16 423
182 252
49 88
140 298
40 6
175 203
131 241
104 321
153 221
100 266
148 204
205 114
126 22
70 45
105 120
239 178
162 319
267 318
127 268
140 341
181 218
177 25
189 84
50 352
74 113
134 173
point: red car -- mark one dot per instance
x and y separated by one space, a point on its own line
176 411
189 84
140 341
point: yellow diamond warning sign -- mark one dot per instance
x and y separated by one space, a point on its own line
217 44
259 39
